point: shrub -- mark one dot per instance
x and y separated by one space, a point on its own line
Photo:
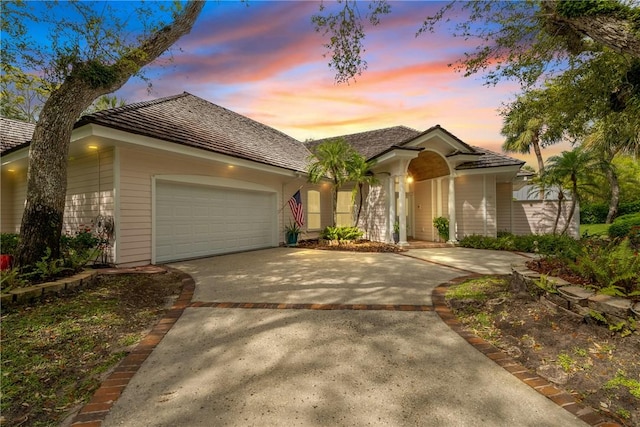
341 233
593 214
8 243
442 225
622 225
613 268
544 244
629 208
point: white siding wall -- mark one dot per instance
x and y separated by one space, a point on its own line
374 216
476 205
503 210
137 167
85 201
90 192
13 196
325 206
469 206
537 217
423 202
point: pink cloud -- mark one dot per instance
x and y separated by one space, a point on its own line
266 62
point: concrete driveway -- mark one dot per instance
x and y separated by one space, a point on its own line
301 367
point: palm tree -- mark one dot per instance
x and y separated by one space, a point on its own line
611 136
331 159
360 173
523 126
571 170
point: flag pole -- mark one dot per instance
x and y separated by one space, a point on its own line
287 201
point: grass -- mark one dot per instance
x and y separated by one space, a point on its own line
54 353
478 289
594 229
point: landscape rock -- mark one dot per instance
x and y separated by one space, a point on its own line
553 373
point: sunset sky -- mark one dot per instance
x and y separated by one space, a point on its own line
266 61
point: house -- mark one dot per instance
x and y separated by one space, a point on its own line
180 177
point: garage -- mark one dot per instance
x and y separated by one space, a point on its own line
197 220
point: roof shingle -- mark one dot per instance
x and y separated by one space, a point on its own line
192 121
14 134
371 143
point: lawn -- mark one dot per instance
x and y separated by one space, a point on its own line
594 229
55 353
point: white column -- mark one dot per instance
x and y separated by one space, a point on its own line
392 207
402 210
452 209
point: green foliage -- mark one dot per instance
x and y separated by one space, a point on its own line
47 268
593 213
341 233
55 353
612 267
345 30
596 213
566 362
8 243
336 160
623 226
480 289
577 8
11 279
621 380
442 225
81 240
544 244
292 229
546 285
97 74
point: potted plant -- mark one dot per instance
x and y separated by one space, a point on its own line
442 225
396 231
291 232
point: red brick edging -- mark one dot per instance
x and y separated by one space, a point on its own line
533 380
93 413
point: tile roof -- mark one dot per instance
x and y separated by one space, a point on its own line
371 143
489 159
192 121
14 134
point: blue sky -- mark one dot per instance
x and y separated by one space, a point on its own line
266 61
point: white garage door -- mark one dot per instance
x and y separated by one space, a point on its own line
195 221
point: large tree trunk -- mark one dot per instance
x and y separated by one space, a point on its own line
609 29
614 200
47 175
359 204
574 202
559 212
538 152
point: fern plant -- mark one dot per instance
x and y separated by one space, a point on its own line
614 268
341 233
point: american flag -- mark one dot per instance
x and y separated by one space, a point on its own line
295 203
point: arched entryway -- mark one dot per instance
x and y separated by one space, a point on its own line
432 190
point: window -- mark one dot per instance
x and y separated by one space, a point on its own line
313 210
344 211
